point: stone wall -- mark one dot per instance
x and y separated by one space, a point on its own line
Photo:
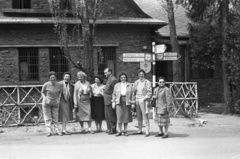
8 65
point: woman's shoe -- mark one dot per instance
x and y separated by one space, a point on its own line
118 134
91 132
125 133
49 134
66 133
139 133
147 135
59 133
159 135
165 136
83 131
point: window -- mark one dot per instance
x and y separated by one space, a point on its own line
28 64
58 62
106 58
65 4
21 4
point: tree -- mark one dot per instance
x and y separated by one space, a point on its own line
85 11
169 7
212 32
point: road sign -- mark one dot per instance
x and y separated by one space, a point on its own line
168 56
160 48
136 57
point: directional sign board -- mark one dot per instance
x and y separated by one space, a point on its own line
161 48
167 56
136 57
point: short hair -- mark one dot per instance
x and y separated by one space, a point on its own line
119 80
52 73
141 70
100 78
67 73
161 77
81 73
108 69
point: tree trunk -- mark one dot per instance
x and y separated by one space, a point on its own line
87 40
226 88
177 73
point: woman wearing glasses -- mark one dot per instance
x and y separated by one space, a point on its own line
163 97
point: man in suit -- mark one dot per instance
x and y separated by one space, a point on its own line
110 113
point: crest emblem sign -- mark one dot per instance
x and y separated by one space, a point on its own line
146 66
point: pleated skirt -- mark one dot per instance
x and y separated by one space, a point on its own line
162 119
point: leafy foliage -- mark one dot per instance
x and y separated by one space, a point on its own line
206 40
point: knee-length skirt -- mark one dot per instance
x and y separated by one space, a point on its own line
162 119
97 108
65 113
123 111
83 112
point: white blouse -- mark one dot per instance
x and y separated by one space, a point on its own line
123 88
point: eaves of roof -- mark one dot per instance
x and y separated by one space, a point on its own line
130 21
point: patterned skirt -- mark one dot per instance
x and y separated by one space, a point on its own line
162 119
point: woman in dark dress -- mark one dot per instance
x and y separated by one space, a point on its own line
66 102
97 105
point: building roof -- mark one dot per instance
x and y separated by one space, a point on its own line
155 9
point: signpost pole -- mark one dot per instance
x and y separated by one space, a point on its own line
154 67
154 64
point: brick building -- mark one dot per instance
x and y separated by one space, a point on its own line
29 47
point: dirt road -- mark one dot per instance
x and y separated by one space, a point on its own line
219 138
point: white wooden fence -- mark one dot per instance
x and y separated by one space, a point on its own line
22 104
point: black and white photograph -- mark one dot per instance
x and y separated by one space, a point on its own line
119 79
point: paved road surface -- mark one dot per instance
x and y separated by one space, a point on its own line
218 139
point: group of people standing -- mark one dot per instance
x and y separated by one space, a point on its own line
113 102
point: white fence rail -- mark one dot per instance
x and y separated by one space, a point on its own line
22 104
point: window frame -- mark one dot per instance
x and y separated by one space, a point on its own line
28 61
59 74
20 4
105 64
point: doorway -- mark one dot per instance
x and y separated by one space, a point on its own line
164 69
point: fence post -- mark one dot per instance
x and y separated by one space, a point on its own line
18 105
196 97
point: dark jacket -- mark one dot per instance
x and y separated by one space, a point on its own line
108 91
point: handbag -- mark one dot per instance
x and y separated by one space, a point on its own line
153 103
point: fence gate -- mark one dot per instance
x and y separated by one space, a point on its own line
20 104
185 99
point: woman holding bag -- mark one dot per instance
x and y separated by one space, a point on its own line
163 97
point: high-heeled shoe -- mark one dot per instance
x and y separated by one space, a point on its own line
118 134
